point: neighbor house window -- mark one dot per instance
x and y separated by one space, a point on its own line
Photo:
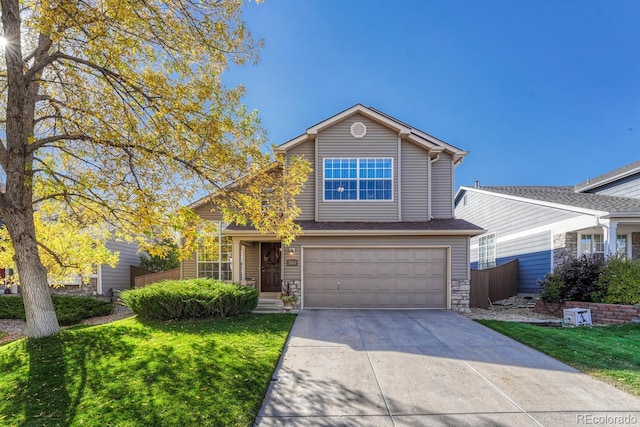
487 251
622 245
358 179
592 244
214 256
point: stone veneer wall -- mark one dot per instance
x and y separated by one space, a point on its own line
604 314
565 246
460 296
88 289
635 245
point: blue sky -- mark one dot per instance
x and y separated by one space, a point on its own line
538 92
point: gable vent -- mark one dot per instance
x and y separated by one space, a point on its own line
358 130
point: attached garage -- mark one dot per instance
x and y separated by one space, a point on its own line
375 277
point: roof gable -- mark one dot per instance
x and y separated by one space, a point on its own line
562 197
426 141
609 177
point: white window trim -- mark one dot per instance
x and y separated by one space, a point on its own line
219 236
357 179
495 250
629 244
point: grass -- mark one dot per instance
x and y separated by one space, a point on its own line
610 353
132 373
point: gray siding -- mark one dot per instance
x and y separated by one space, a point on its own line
206 212
252 262
414 172
459 249
496 214
119 278
442 187
627 187
306 200
507 217
337 142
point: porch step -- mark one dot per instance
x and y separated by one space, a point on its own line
269 305
272 305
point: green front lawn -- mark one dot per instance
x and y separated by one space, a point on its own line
129 373
610 353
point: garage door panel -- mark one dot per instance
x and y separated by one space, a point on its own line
375 277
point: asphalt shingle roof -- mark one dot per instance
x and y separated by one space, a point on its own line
597 181
433 225
566 195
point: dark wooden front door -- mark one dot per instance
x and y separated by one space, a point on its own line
270 265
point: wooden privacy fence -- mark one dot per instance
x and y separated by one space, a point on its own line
493 284
146 279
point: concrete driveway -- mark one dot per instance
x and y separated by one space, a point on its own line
428 368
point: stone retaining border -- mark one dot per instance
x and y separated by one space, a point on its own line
603 314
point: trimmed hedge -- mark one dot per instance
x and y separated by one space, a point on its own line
69 309
190 299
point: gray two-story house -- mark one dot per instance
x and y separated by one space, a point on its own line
377 220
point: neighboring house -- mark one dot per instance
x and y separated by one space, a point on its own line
543 226
108 279
377 220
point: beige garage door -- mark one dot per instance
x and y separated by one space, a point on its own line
375 277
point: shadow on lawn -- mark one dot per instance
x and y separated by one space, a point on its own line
57 374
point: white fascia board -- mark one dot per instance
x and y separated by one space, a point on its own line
436 141
538 202
609 180
292 143
625 215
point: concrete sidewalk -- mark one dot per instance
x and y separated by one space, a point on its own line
428 368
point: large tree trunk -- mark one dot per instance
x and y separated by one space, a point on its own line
41 317
16 204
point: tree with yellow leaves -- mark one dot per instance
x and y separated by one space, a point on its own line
114 114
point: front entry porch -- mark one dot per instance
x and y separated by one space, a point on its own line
260 266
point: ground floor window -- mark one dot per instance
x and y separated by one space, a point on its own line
215 256
487 251
593 244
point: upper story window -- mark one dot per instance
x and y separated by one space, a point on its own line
487 251
358 179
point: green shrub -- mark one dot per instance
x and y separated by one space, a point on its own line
574 280
620 278
69 309
190 299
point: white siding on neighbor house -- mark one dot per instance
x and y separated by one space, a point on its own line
523 231
459 249
442 187
504 216
306 200
337 142
414 172
627 187
119 278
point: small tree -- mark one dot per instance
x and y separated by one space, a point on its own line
167 261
